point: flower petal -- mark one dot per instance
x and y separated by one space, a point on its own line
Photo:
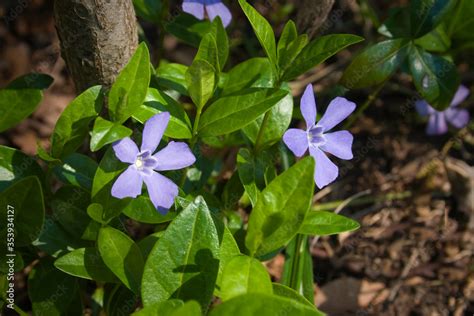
174 156
296 140
326 171
457 117
423 108
153 131
339 144
461 95
337 111
221 10
125 150
162 191
128 184
195 8
437 124
308 106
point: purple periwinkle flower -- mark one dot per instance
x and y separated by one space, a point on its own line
437 120
317 139
212 8
144 164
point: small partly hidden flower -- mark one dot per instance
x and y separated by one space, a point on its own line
317 139
213 8
144 164
437 120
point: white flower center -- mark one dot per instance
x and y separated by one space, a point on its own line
139 162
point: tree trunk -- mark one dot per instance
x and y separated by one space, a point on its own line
97 37
312 14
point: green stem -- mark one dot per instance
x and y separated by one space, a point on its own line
195 128
295 281
353 118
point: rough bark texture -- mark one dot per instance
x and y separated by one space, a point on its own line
97 38
312 14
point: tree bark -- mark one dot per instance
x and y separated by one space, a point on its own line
312 14
97 37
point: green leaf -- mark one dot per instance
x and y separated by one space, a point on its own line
263 30
73 124
165 308
435 78
278 121
285 291
375 64
263 305
191 308
179 126
461 23
78 170
208 52
201 81
287 58
22 208
142 210
15 165
281 209
317 52
122 256
252 73
106 132
51 291
435 41
183 264
323 223
244 275
231 113
118 300
85 263
228 250
172 76
150 10
288 35
105 204
20 98
397 25
188 29
427 14
130 88
222 41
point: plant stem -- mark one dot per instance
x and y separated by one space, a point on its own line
360 110
297 265
195 128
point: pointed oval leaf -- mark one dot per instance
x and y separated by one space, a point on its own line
15 165
183 264
201 81
122 256
78 170
106 132
285 291
323 223
281 209
427 14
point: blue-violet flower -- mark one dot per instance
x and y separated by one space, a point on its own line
144 164
317 139
213 8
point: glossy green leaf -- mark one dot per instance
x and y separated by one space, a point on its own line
73 124
78 170
22 209
263 30
105 204
263 305
106 132
201 81
244 275
165 308
179 126
172 76
222 41
375 64
323 223
427 14
288 56
231 113
252 73
285 291
183 264
208 51
435 41
15 165
317 52
288 35
273 223
122 256
435 78
85 263
130 87
150 10
228 250
278 121
20 98
51 291
142 210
